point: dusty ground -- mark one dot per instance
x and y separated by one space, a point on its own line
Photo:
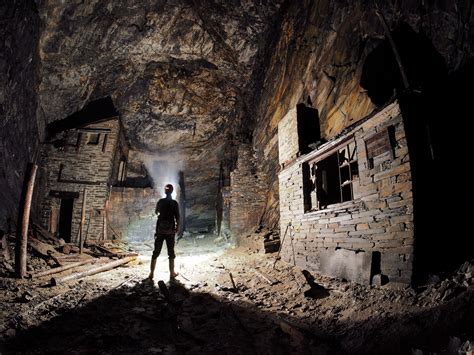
120 311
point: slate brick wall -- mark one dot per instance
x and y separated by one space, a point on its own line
247 193
379 219
91 163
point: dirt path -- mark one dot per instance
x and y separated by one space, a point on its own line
270 310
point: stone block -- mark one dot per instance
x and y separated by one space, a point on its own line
367 232
357 220
362 226
340 218
400 203
401 219
354 266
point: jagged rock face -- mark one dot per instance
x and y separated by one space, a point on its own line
178 71
322 57
19 34
181 74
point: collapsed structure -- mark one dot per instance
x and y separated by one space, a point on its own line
346 207
84 158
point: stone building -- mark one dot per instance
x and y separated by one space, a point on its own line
346 207
82 161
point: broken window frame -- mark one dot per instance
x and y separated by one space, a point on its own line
319 193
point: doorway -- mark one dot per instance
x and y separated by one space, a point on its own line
65 219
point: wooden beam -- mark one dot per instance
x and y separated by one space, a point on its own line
83 218
92 271
22 237
62 268
266 277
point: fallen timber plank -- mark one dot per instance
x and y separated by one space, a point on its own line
105 250
41 248
92 271
62 268
44 233
113 253
266 277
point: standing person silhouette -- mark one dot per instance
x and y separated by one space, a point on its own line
166 227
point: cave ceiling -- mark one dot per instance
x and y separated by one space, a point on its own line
181 73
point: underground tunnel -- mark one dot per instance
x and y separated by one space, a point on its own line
236 176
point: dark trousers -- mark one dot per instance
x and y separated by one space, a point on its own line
169 238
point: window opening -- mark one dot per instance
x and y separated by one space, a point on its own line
93 138
309 133
330 180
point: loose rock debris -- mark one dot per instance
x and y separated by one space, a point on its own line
120 311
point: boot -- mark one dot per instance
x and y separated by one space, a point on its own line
173 274
152 268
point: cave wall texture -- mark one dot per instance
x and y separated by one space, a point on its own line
19 33
181 74
194 80
334 56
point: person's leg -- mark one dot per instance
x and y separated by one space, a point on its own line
156 252
171 254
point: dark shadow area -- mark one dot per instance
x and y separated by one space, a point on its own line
439 124
139 319
137 182
309 132
93 112
65 219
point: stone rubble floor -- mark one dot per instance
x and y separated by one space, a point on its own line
121 312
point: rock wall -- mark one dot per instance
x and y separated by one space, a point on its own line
247 193
340 239
181 74
132 213
319 57
179 70
19 33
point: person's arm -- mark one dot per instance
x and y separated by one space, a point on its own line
177 217
157 209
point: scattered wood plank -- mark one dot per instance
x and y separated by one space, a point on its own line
92 271
41 248
55 259
44 233
233 283
115 253
105 250
266 277
62 268
130 279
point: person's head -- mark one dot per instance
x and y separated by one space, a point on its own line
168 189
